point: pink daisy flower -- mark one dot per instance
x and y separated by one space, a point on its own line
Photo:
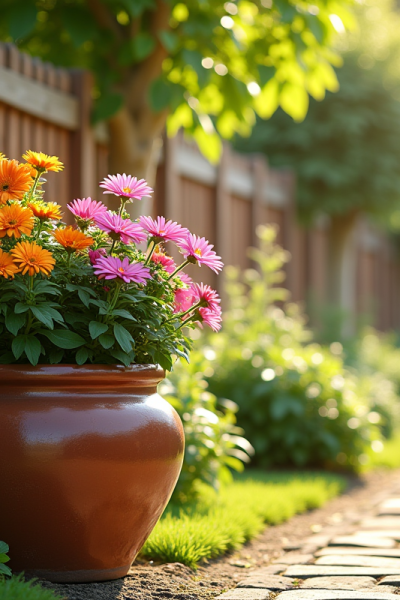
183 300
185 278
86 209
126 186
119 228
210 317
94 255
206 295
166 261
111 267
197 250
162 230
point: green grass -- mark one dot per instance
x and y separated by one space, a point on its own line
17 589
219 523
389 457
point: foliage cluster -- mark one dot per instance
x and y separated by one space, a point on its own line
298 404
90 294
214 444
4 558
211 65
16 588
346 153
215 525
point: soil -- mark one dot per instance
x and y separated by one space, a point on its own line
149 581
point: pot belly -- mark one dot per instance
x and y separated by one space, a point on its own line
83 486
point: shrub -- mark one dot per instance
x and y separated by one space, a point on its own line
214 444
18 589
298 405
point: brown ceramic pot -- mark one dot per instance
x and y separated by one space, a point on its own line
89 457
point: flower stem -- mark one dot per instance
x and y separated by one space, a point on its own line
122 206
39 229
115 297
192 318
189 310
150 251
112 247
33 190
182 266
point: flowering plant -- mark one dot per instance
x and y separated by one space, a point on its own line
103 291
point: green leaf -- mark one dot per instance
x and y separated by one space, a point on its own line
55 356
106 340
164 360
18 346
106 106
21 19
81 356
32 349
123 337
160 94
120 312
20 308
4 548
96 329
43 316
143 45
79 24
136 7
84 297
14 322
125 358
4 558
64 338
5 570
267 101
294 101
169 40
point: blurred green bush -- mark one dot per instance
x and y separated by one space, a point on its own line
214 444
298 403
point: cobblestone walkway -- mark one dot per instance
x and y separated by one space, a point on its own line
358 559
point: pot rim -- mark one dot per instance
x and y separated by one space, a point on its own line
70 375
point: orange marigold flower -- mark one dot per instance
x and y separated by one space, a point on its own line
7 266
15 180
43 162
46 210
72 239
33 259
15 220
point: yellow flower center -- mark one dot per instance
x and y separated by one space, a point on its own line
121 270
5 187
12 222
198 252
127 190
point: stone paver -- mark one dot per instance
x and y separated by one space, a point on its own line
381 523
352 550
368 542
390 580
379 533
268 582
295 558
243 594
304 571
359 561
355 557
339 583
334 595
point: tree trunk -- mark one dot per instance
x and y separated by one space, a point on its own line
342 269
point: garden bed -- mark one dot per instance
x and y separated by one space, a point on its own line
149 581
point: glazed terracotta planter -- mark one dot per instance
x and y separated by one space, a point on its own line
89 457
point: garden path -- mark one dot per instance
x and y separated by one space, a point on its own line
347 550
355 557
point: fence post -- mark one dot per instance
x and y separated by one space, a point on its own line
223 212
260 178
172 180
83 159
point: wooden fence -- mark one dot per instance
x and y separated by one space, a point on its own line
48 109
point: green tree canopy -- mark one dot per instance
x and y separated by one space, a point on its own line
210 66
346 152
